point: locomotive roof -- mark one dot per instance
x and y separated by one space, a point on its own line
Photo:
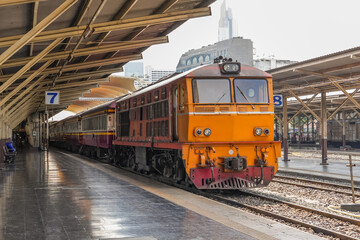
211 70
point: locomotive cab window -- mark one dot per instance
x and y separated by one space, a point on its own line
211 91
251 91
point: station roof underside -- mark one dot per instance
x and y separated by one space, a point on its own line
73 45
339 71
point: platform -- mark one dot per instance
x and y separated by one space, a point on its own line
63 196
336 168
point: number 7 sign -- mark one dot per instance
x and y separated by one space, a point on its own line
52 97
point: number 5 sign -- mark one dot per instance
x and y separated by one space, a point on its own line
278 100
52 97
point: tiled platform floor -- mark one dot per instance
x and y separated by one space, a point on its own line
57 197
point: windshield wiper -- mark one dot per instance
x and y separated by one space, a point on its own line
245 97
221 97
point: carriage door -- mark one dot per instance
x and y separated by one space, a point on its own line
175 112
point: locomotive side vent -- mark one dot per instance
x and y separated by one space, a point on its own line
204 109
224 109
264 109
242 109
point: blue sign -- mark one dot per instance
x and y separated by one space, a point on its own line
52 97
278 100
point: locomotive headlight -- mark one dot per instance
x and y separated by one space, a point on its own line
266 131
258 131
207 132
230 67
198 132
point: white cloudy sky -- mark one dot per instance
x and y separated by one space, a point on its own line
294 30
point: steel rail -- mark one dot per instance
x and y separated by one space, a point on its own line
315 187
301 207
316 229
316 182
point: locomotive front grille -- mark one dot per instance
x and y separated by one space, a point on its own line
232 183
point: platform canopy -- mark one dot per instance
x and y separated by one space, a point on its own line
73 45
330 73
319 89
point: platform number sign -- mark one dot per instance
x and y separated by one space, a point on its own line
278 100
52 97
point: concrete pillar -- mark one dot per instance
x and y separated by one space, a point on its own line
307 129
343 128
323 129
285 125
294 130
299 132
312 129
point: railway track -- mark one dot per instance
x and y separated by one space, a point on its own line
325 186
276 214
314 213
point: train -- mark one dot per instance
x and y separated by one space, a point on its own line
211 127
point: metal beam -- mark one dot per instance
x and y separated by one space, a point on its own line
21 96
31 63
302 108
71 77
91 50
114 25
24 83
345 92
84 65
30 35
81 83
34 20
306 106
343 103
4 3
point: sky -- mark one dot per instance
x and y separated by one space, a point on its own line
291 30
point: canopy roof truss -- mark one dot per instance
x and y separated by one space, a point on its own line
73 45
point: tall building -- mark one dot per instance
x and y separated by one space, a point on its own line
134 69
227 24
157 74
238 48
270 63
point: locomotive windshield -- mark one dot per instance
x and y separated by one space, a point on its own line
211 90
251 91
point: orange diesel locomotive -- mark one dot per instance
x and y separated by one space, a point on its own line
211 126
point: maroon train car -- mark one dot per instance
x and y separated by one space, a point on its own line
90 132
98 130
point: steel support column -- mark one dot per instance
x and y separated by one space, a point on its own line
285 125
323 129
343 128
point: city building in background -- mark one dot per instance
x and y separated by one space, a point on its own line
227 24
238 48
134 69
267 63
158 74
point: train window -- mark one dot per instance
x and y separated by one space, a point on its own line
142 99
149 98
156 95
102 122
167 128
251 91
134 102
163 93
211 91
181 98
